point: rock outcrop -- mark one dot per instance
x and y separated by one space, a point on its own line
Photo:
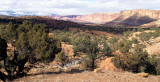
98 18
137 17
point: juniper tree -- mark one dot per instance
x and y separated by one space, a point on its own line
90 45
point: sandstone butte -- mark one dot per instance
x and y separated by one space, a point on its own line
137 17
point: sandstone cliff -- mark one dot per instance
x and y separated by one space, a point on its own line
137 17
99 18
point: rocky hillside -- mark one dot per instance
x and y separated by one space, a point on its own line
137 17
98 18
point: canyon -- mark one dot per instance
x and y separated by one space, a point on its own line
137 17
98 18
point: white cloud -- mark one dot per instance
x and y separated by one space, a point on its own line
4 13
65 7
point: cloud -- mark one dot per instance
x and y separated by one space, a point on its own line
65 7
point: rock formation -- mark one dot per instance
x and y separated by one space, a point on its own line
136 17
98 18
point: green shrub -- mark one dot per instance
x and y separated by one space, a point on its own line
62 58
32 44
154 65
140 29
126 34
63 36
138 61
135 40
112 43
91 46
146 36
124 46
132 61
86 63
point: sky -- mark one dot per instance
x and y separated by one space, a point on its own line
74 7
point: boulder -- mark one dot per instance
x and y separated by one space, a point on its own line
142 74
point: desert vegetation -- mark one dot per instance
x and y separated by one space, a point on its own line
31 44
133 57
34 43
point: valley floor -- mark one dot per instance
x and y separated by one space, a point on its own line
88 76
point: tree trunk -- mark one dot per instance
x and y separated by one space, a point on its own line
92 63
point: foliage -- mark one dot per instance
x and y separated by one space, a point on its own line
140 29
124 45
62 58
3 56
12 64
132 61
138 61
86 63
32 44
63 36
126 34
154 65
146 36
91 46
106 50
112 43
3 32
11 31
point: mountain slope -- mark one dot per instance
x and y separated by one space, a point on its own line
98 18
136 17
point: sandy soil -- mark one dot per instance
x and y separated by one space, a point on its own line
49 73
88 76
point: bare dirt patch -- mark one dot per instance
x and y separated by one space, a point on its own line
88 76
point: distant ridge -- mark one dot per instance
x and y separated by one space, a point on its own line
97 18
136 17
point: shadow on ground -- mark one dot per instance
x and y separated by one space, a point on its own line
69 72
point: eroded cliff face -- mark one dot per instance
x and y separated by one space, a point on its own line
137 17
98 18
153 14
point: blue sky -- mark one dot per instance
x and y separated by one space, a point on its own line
70 7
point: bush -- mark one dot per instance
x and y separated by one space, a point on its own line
63 36
154 65
124 46
140 29
32 44
112 43
91 46
138 61
86 63
144 36
126 34
62 58
13 66
132 61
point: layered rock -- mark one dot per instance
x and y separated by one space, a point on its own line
99 18
137 17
